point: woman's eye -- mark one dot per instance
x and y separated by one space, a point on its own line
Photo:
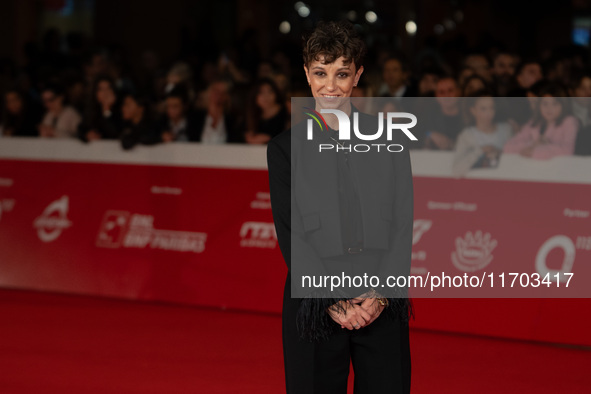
343 75
319 73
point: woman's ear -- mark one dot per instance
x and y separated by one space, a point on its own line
307 76
358 75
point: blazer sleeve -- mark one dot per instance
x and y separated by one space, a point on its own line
396 260
290 234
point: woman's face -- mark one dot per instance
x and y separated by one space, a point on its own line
483 110
14 103
550 108
104 92
51 101
266 97
130 108
332 82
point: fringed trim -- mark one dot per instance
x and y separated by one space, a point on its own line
313 321
314 324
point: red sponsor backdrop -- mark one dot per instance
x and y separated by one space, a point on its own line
205 236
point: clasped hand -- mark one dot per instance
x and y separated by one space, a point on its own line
357 312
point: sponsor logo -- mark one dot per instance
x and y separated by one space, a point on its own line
123 229
474 251
175 191
261 201
53 220
568 248
112 229
258 235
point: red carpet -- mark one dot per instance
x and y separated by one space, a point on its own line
52 343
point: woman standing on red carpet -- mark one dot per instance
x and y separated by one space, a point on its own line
323 334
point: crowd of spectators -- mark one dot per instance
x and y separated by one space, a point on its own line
535 107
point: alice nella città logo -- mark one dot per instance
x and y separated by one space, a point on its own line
344 132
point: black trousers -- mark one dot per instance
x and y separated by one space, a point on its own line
380 353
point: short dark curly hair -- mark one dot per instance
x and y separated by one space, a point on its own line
333 40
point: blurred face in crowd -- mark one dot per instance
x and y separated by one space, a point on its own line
530 74
218 93
447 93
76 92
584 88
466 73
483 110
447 87
14 103
428 84
265 70
131 110
393 74
504 66
330 83
175 109
473 85
52 102
97 65
281 81
480 65
266 98
105 94
550 108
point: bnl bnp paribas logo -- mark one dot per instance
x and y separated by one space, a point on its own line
390 119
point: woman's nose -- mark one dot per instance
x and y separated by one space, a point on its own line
330 84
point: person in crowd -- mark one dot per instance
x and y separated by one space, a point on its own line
215 124
60 120
479 64
76 93
179 74
267 115
480 144
95 64
19 116
428 81
527 73
503 69
551 132
464 74
138 125
395 74
177 123
580 91
520 102
102 119
473 84
445 122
